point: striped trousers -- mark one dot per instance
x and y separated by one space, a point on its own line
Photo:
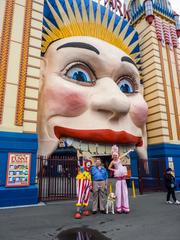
83 192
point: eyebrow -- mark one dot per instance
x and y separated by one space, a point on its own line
80 45
129 60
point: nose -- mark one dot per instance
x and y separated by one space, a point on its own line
107 97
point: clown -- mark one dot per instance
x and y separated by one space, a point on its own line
90 91
83 186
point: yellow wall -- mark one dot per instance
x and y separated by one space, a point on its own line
14 61
154 88
2 10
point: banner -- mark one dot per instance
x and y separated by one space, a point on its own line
18 169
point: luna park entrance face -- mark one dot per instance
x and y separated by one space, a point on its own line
57 178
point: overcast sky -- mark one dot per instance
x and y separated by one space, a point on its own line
175 5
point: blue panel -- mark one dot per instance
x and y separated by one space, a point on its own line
18 196
164 151
124 23
17 142
20 143
86 2
136 49
134 39
110 15
94 5
103 10
133 157
129 31
117 19
160 151
138 56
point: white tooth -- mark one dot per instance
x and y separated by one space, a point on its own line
76 144
105 149
92 148
101 149
86 155
88 148
124 149
97 148
84 147
108 149
80 145
121 150
69 141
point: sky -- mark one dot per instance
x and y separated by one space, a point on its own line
175 5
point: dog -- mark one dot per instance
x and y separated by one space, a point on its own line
110 202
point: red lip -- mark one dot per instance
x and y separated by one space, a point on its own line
99 136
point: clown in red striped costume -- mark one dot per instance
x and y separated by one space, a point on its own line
83 186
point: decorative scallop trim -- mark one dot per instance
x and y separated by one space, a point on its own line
4 50
23 65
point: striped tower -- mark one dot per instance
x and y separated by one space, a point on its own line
20 42
158 27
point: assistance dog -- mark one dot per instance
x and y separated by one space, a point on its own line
110 203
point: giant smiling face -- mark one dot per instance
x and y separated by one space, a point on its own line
90 91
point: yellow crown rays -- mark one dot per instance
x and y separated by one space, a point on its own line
67 18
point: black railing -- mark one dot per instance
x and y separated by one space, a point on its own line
154 180
57 178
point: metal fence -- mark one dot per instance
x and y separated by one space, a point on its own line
57 178
154 180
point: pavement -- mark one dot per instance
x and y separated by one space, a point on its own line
150 218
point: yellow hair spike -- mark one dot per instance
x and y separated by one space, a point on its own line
105 18
91 19
111 24
124 31
98 14
134 56
47 37
84 13
65 18
55 15
127 40
50 33
74 26
83 18
118 27
91 12
77 13
58 32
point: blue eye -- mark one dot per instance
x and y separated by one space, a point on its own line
79 74
125 86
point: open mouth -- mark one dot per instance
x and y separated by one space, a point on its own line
96 141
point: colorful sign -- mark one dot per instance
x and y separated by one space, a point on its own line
18 169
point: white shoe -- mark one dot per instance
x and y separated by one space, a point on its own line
177 202
169 202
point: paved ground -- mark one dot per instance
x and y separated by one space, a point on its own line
150 219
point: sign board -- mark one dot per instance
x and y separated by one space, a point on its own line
18 169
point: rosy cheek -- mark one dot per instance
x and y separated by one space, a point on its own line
64 101
139 111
